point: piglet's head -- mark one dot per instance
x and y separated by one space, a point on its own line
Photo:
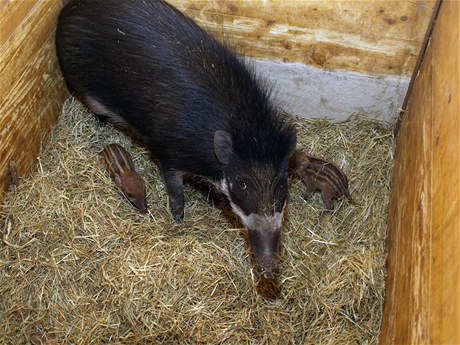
133 188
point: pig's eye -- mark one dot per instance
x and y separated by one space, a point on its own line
242 184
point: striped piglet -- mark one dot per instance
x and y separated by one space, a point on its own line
121 168
319 175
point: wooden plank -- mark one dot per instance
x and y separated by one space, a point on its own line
409 214
12 12
32 89
422 303
444 302
365 36
423 48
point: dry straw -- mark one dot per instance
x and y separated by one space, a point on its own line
79 265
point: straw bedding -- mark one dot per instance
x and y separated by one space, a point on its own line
79 265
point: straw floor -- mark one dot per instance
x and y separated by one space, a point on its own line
79 265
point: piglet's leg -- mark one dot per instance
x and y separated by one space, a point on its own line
310 189
175 187
327 199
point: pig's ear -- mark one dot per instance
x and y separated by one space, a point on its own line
223 146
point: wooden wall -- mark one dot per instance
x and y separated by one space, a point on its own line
422 304
377 37
31 89
369 37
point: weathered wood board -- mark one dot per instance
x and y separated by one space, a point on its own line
422 304
326 58
31 90
377 37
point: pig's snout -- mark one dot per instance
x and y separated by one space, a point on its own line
268 266
264 238
143 210
140 203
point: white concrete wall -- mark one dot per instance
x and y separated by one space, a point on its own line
311 92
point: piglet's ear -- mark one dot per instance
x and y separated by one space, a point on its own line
223 146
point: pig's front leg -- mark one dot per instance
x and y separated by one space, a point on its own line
175 187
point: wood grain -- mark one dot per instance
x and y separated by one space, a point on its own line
380 37
445 237
11 14
422 303
32 89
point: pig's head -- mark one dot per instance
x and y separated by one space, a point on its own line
255 181
133 188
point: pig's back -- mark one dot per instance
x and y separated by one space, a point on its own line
172 82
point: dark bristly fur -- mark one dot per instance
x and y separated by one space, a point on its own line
200 109
320 175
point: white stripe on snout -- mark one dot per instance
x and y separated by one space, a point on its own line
235 208
278 219
224 187
252 220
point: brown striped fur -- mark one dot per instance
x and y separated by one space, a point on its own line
320 175
121 168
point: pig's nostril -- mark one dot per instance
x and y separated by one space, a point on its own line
268 275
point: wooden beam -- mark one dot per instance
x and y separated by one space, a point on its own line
32 90
422 303
377 37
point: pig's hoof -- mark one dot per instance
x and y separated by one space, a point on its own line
178 217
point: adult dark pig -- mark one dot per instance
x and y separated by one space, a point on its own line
147 68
